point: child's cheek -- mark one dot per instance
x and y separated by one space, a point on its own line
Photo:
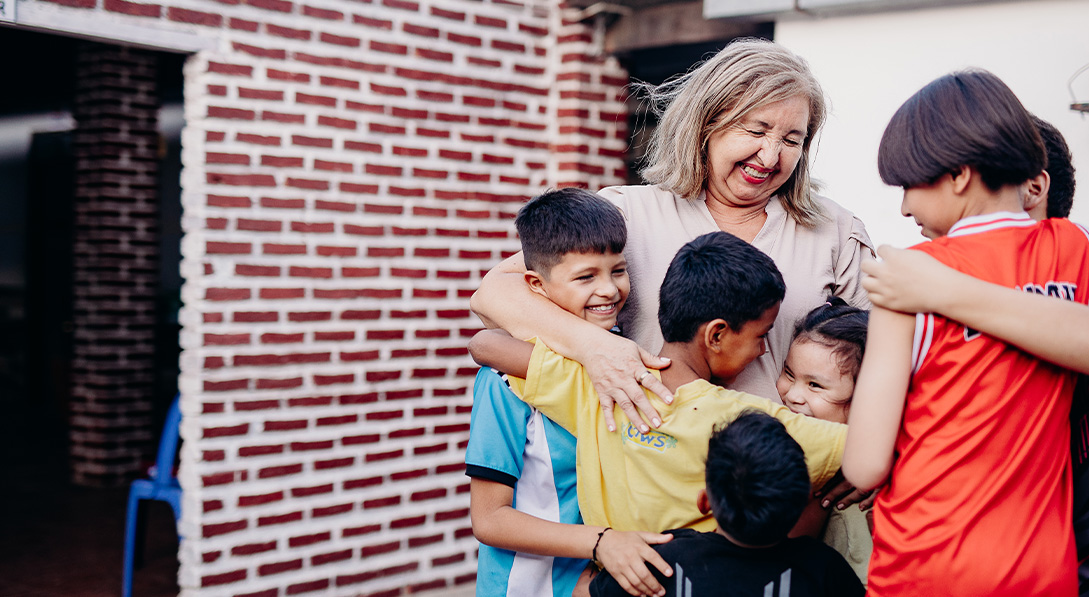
843 411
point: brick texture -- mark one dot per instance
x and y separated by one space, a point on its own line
116 261
351 170
591 133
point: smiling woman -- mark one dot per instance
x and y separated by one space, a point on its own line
731 153
751 159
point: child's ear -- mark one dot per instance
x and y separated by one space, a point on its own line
536 282
714 332
962 177
703 502
1035 190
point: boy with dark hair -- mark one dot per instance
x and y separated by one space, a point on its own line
756 486
1050 194
573 246
569 220
717 276
974 432
718 302
523 501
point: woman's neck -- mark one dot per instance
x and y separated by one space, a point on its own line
744 222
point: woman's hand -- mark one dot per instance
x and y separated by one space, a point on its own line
616 366
908 281
613 363
625 556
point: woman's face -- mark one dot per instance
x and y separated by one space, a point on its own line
751 159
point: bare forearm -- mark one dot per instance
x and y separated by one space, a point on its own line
497 349
497 523
507 528
812 521
1052 329
913 282
626 555
878 403
504 300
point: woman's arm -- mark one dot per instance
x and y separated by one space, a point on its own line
878 404
613 363
1050 329
623 554
504 300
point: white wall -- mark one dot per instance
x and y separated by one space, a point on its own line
870 64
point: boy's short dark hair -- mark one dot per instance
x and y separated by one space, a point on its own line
757 481
569 220
967 118
717 275
1060 167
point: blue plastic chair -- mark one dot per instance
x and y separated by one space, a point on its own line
162 486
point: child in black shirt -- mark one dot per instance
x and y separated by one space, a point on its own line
757 487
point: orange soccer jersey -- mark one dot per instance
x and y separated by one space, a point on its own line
980 497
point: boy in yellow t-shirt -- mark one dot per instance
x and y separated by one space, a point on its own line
718 301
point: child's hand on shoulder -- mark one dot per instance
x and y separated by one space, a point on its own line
625 555
907 281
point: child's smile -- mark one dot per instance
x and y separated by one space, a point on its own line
593 286
813 384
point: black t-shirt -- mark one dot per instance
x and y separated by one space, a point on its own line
709 565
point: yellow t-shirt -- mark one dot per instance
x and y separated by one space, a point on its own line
636 482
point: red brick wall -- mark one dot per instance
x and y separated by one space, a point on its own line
116 263
351 169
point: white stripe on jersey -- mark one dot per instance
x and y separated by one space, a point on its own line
920 343
531 575
992 221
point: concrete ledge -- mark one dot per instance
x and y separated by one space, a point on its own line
99 26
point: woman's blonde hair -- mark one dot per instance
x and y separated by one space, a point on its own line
745 75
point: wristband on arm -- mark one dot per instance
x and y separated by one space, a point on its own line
593 555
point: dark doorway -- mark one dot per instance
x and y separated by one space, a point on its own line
59 538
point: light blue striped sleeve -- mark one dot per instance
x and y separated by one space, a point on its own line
497 431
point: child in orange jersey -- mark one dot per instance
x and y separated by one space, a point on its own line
971 434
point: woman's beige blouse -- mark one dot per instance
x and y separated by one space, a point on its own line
815 262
